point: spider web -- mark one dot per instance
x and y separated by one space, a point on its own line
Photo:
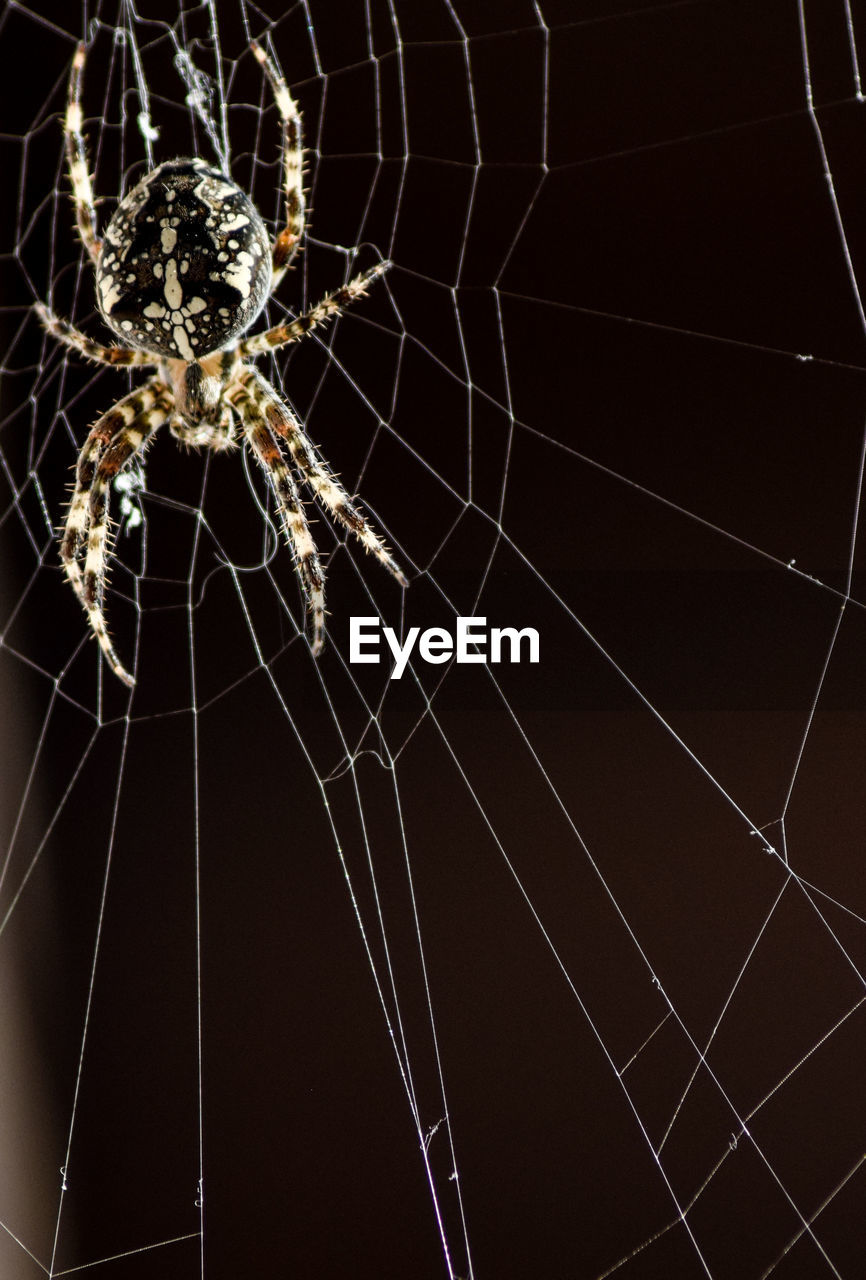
550 969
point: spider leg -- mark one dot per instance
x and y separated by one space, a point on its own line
269 455
315 472
286 244
76 159
113 440
330 306
67 333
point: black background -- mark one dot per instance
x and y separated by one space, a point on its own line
620 353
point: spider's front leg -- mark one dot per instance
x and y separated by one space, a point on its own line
269 455
267 420
115 438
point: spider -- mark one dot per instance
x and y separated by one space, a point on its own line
184 268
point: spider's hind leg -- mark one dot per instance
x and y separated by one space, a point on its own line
286 244
76 159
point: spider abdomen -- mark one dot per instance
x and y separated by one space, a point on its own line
185 263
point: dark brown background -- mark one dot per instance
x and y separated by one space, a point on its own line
661 297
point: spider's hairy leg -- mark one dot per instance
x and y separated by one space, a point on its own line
112 442
286 244
314 471
266 449
71 337
76 158
330 306
104 430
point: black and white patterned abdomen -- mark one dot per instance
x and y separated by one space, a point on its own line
185 264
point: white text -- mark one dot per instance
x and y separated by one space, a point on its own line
436 645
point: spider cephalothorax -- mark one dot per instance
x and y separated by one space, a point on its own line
183 270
